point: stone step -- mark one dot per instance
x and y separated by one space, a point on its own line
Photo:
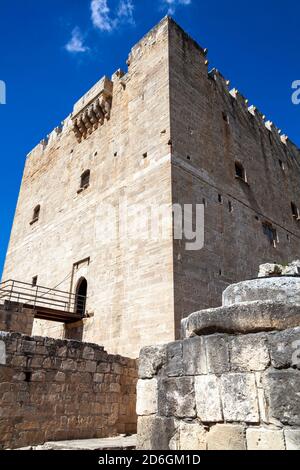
113 443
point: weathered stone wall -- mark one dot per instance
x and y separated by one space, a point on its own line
220 392
211 129
233 383
59 390
16 318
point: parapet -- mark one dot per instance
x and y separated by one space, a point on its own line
252 110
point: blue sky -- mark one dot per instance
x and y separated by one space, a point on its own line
52 51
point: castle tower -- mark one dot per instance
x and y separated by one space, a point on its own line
166 132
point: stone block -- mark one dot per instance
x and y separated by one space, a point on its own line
249 353
103 368
226 437
38 376
276 289
151 360
217 354
208 402
176 397
239 398
91 366
67 364
283 348
189 436
292 439
194 356
146 397
282 391
28 347
248 317
99 378
60 377
174 367
155 432
265 439
88 353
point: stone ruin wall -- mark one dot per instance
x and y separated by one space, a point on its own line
16 318
233 383
62 390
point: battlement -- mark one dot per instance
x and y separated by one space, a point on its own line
251 110
94 107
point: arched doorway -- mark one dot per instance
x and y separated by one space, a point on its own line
80 300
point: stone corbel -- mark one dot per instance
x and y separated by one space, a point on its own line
93 115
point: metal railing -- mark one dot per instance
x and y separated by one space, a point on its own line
44 297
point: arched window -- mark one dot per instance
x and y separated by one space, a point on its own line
85 179
240 171
36 214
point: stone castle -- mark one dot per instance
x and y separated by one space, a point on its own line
166 133
169 131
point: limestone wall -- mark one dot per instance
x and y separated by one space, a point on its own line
233 383
60 390
16 318
211 129
220 392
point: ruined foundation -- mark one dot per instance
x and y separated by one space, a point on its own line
233 383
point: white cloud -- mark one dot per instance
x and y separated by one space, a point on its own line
76 43
105 20
173 4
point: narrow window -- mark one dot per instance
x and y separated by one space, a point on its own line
240 171
34 281
225 117
85 179
145 155
36 214
281 164
220 198
230 207
295 211
271 233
